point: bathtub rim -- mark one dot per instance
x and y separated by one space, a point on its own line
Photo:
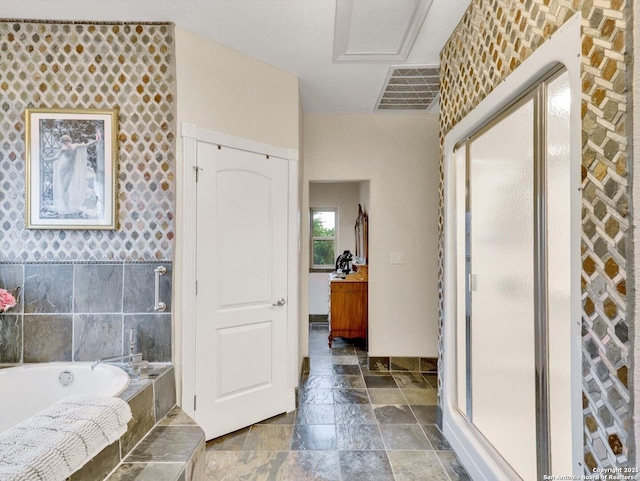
111 368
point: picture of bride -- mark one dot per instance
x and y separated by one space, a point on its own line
74 185
71 164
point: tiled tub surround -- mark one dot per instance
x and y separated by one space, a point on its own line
84 311
161 443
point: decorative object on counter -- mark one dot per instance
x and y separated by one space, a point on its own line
71 163
7 300
343 263
360 273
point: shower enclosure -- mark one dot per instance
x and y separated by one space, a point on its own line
510 405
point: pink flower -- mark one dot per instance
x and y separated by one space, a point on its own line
6 300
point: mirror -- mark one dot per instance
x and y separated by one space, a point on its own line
362 236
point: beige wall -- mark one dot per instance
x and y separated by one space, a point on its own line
223 90
226 91
399 155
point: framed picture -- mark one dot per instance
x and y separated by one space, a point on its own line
71 165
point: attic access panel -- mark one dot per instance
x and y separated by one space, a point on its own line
380 31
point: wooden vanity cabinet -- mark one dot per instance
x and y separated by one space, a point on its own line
349 314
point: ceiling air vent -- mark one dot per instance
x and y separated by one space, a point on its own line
409 87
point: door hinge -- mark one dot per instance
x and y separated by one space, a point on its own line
194 402
197 171
196 288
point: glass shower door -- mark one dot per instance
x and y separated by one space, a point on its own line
501 283
514 334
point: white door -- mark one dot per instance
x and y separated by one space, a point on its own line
241 271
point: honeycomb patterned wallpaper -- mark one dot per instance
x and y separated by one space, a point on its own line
92 66
493 38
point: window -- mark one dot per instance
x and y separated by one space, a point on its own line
323 237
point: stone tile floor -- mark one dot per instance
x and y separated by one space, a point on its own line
352 424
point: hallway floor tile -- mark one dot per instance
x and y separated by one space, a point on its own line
352 424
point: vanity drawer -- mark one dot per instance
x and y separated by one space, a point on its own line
349 286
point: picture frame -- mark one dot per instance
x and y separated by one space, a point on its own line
71 168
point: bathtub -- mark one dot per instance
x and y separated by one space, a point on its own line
28 389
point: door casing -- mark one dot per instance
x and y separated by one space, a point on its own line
185 337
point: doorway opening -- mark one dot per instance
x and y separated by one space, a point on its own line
334 212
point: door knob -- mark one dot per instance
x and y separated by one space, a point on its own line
280 302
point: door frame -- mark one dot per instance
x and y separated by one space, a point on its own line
191 136
564 47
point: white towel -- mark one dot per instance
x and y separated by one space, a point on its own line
58 441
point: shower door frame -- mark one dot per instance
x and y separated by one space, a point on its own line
563 49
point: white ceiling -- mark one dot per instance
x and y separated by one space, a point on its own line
295 35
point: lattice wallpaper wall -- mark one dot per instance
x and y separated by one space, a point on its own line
57 65
493 38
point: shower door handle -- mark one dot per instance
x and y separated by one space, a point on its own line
473 282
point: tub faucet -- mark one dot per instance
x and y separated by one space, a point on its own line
135 360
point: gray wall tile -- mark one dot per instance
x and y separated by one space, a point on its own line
148 472
11 276
429 364
139 287
97 288
48 288
196 467
100 466
165 393
12 279
153 335
47 338
170 444
10 338
143 419
96 336
404 363
93 293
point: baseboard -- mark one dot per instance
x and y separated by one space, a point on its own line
399 363
291 400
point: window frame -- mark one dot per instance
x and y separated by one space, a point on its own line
334 239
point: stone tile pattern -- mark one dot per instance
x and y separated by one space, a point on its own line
492 39
352 424
84 311
92 66
159 448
